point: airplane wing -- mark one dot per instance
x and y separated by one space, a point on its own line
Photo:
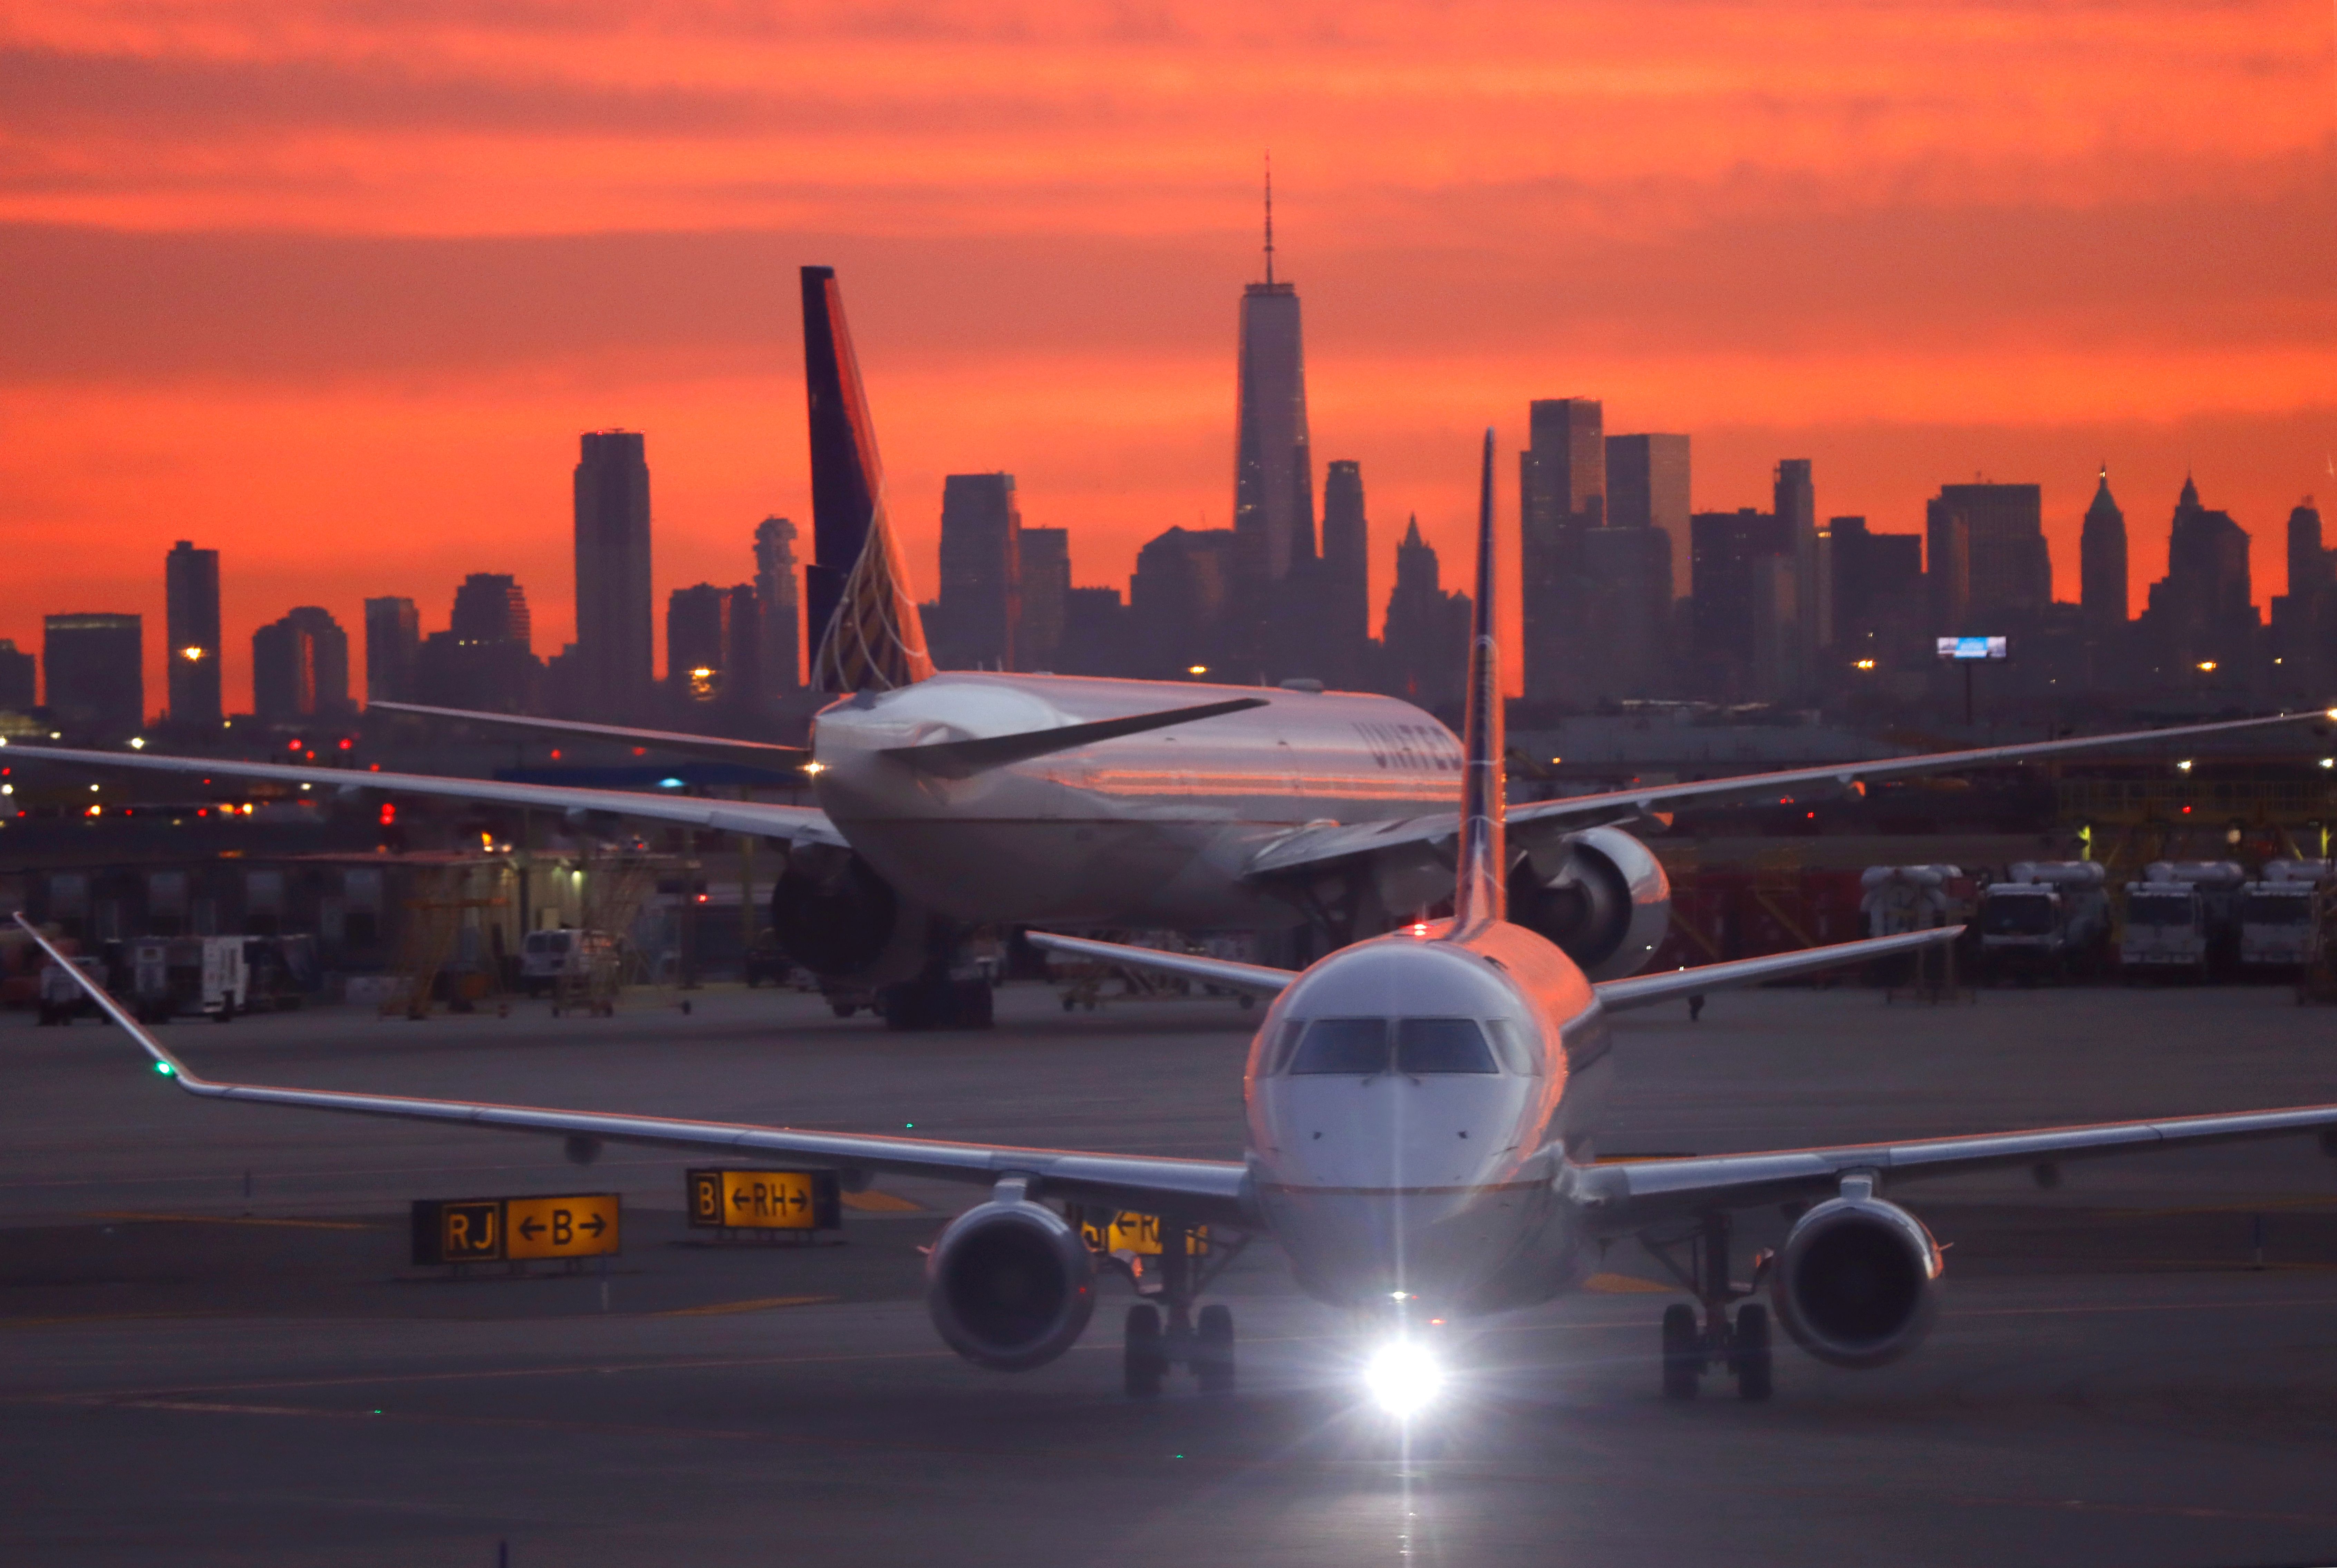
1259 979
1638 992
1629 1195
797 824
1211 1192
1313 848
754 753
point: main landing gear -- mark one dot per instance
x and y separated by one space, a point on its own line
1202 1343
1699 1261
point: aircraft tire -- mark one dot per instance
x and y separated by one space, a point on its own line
1144 1360
1683 1358
1213 1351
1750 1356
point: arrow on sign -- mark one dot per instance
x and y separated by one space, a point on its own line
530 1226
594 1226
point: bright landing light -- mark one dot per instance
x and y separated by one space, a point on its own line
1403 1376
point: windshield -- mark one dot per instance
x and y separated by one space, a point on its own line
2016 915
2158 910
2269 910
1422 1047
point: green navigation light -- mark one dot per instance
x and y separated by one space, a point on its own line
164 1068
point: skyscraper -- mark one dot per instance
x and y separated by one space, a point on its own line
712 652
1424 642
615 625
1344 623
1561 494
1738 556
191 590
300 667
393 633
484 658
1795 503
1273 473
95 670
2202 613
1181 601
981 570
778 606
1989 567
2101 561
491 606
20 689
1043 562
1647 487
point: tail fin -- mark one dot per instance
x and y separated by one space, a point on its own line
1481 896
865 629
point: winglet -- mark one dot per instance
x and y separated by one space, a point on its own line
1481 893
165 1063
867 633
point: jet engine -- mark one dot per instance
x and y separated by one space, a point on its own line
1599 894
833 914
1011 1285
1857 1281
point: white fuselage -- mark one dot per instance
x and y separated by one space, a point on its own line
1452 1187
1147 828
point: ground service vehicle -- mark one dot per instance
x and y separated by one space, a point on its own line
180 977
1422 1110
2046 918
2280 913
546 959
2179 919
62 998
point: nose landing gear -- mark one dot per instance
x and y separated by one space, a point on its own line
1740 1348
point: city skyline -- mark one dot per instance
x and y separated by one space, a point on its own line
2069 240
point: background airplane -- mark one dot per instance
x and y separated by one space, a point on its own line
1421 1114
953 799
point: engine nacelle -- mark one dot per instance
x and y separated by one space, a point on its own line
1011 1285
1600 895
1857 1283
834 915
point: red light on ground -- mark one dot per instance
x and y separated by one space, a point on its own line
640 751
348 744
202 811
292 746
555 754
375 768
389 812
701 898
310 756
1809 816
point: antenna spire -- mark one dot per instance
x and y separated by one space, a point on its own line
1270 215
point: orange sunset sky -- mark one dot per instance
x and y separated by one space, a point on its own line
333 287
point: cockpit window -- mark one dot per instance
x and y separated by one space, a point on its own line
1356 1045
1509 1044
1425 1045
1286 1046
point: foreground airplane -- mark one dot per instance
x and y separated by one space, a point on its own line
1421 1114
953 799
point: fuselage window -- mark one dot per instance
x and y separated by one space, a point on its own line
1355 1045
1425 1045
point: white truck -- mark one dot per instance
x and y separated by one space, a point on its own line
181 977
548 958
2046 917
61 998
2280 913
2181 918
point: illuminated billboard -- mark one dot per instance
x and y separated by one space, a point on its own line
1970 647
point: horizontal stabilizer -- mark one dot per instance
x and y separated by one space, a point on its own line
721 748
1255 979
965 758
1643 990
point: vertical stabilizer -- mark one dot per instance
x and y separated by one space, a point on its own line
1480 895
866 632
